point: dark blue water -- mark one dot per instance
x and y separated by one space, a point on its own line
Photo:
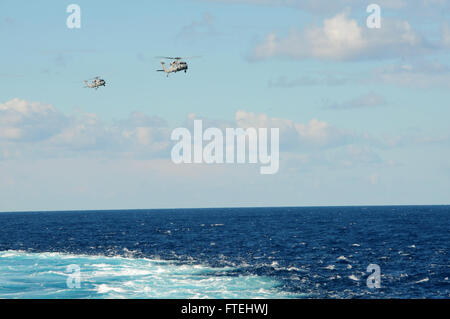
238 253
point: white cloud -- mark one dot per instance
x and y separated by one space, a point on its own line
35 130
84 132
342 39
297 136
124 160
26 121
145 132
316 135
40 129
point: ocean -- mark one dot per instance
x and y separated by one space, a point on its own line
227 253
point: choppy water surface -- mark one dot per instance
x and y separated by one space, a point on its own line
227 253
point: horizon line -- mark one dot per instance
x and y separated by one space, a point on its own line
214 208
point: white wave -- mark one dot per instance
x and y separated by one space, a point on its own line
423 280
45 276
342 258
103 289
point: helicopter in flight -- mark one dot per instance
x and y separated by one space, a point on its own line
95 83
176 65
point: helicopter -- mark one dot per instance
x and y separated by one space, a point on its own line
177 65
96 83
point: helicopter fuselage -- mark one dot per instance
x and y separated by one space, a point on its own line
174 66
177 66
96 83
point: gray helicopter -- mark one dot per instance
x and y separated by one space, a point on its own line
95 83
177 65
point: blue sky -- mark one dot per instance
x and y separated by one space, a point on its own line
363 113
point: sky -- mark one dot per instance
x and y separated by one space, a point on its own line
363 113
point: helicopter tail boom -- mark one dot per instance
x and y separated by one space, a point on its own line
163 67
